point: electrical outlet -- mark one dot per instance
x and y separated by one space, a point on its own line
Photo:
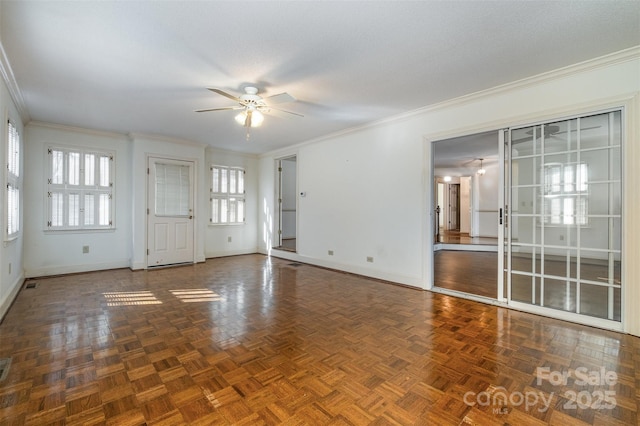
9 268
369 259
330 252
85 249
229 239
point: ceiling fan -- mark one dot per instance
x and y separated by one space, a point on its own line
252 106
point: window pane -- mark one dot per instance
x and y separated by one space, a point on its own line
89 169
224 181
13 150
89 209
215 210
74 168
215 179
13 209
74 209
223 211
104 171
57 167
240 181
232 210
104 210
172 190
240 211
232 181
57 209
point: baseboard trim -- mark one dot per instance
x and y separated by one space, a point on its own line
11 296
226 253
73 269
409 281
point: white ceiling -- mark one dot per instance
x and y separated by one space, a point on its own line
144 66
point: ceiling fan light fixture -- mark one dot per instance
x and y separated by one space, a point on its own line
256 118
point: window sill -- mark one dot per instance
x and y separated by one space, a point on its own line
78 231
11 239
227 224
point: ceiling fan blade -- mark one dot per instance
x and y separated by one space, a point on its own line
277 112
280 98
220 109
223 93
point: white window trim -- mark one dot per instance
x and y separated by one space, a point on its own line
49 187
227 195
13 180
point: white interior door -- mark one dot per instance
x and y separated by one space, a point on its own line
170 212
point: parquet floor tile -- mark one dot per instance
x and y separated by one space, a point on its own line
252 340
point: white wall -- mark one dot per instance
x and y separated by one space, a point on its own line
367 188
243 237
363 199
11 252
57 252
465 204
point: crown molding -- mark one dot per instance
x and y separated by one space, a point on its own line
630 54
626 55
150 137
75 129
213 150
12 86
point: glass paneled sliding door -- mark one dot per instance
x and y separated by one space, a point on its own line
565 216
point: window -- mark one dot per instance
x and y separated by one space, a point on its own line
227 195
565 190
172 189
13 181
79 189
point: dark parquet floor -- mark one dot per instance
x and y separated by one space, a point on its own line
255 340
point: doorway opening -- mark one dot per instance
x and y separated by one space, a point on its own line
467 184
287 203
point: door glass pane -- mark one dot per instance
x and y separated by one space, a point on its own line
559 294
172 185
594 300
524 171
525 229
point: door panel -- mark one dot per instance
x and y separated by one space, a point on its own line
564 235
170 219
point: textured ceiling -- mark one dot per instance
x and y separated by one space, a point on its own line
143 67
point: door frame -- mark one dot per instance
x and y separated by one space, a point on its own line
148 207
630 104
277 232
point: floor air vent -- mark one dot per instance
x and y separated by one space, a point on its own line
5 363
31 285
295 264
